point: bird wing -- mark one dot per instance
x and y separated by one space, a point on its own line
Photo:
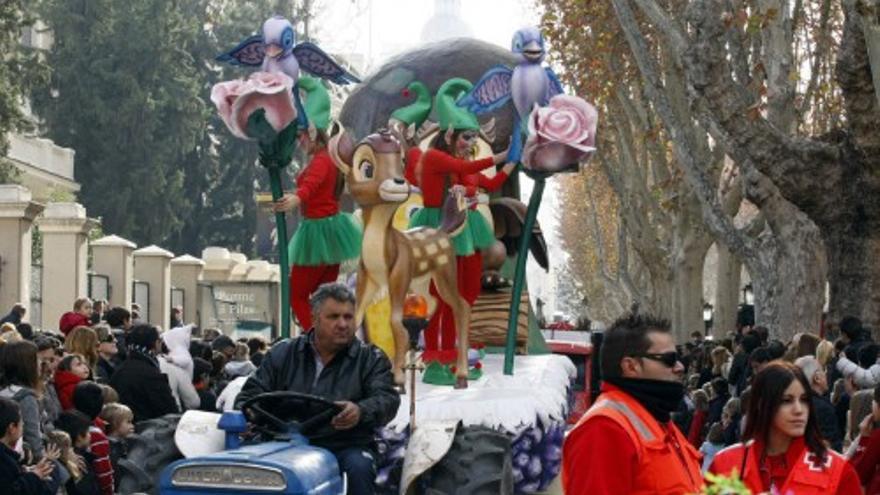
555 86
508 216
316 62
492 91
249 52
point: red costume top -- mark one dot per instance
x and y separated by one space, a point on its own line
796 471
436 166
316 187
473 182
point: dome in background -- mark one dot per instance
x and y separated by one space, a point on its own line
446 22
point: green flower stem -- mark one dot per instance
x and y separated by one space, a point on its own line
520 272
281 230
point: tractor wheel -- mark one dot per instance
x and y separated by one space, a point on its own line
478 463
150 450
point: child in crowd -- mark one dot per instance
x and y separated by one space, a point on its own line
119 425
241 364
77 425
713 444
202 383
88 398
13 477
67 457
71 370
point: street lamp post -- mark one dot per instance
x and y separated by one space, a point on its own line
707 316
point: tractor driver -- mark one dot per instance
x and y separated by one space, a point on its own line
330 362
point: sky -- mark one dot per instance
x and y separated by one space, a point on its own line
344 26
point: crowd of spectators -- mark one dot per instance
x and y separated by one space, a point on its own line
70 399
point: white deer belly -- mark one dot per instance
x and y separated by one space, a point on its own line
373 253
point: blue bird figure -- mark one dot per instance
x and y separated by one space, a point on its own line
275 50
528 84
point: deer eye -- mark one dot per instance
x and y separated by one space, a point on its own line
366 169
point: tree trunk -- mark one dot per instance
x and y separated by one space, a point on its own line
789 278
691 245
728 270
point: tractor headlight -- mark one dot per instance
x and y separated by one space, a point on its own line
229 477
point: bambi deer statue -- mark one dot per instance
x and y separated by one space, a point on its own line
401 261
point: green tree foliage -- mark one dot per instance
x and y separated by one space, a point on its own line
125 95
133 85
20 69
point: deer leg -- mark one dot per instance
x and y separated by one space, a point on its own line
398 283
445 279
364 292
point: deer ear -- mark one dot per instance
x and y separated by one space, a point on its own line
341 148
410 132
448 137
487 131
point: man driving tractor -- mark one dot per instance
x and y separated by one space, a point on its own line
329 362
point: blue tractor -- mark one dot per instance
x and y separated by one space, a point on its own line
276 458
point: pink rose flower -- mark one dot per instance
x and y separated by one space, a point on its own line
560 134
237 100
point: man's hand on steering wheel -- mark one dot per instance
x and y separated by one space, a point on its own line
348 418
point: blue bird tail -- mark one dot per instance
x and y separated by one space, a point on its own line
516 141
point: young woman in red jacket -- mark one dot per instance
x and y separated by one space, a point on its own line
784 451
449 162
326 236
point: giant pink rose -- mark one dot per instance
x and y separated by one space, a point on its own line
237 100
560 134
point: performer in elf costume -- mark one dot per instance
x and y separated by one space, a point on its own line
326 236
449 162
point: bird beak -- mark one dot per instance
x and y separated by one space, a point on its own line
533 51
273 50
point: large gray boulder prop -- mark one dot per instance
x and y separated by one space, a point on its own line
371 103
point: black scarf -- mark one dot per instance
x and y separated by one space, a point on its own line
142 352
659 397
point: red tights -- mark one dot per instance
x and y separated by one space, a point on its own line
303 281
442 323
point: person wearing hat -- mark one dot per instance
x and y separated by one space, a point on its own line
326 236
448 160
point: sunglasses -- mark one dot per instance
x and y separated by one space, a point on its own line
109 340
669 359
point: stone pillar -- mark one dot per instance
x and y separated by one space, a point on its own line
152 265
112 256
186 271
218 264
65 228
17 213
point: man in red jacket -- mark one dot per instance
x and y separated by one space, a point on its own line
626 443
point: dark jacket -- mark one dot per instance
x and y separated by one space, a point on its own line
14 479
827 420
360 374
104 370
12 317
143 388
738 374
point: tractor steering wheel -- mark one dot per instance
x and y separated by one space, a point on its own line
306 412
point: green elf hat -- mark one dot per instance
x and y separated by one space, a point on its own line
317 104
449 114
416 112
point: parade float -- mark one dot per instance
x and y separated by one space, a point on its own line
470 421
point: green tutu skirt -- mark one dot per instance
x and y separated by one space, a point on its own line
325 241
476 234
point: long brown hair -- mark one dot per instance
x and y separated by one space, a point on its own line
83 340
18 365
768 388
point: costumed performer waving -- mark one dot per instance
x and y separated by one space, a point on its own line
326 236
448 160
